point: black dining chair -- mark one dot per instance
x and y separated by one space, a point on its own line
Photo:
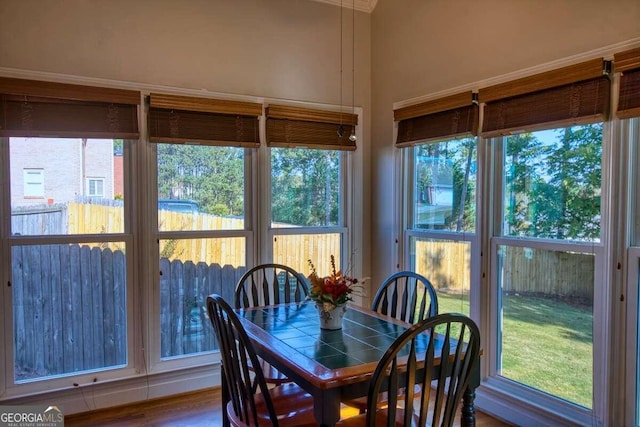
249 401
268 284
439 355
405 296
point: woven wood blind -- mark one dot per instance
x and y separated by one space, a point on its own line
554 103
294 127
33 108
450 117
217 122
628 63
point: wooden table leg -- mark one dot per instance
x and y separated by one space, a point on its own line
468 418
326 407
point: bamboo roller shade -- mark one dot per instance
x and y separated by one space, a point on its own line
628 62
182 119
445 118
577 94
311 115
33 108
562 76
294 127
434 106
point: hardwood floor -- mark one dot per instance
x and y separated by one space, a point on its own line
196 409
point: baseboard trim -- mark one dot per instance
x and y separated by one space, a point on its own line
130 390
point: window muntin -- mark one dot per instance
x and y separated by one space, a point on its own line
200 187
444 185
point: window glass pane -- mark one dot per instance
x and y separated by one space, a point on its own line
200 188
191 269
69 308
305 187
95 187
33 183
295 251
54 169
553 184
447 265
547 320
444 185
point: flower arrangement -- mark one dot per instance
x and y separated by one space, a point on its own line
334 290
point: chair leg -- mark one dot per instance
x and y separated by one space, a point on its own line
225 398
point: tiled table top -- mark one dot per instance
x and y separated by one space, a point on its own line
363 338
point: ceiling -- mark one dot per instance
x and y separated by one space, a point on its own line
361 5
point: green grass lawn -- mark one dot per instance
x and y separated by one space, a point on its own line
546 344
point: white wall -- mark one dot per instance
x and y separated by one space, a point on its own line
420 47
284 49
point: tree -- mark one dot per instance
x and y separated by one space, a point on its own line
212 176
553 185
305 186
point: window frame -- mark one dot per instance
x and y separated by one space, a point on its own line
8 385
97 181
345 212
40 185
409 231
156 362
521 394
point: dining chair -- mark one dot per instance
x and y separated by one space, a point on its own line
286 404
405 296
268 284
438 354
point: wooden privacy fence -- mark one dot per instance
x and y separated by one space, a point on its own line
545 272
70 308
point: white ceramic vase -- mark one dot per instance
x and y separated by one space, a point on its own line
332 319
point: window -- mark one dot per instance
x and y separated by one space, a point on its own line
202 239
628 110
440 194
33 183
307 207
95 187
441 231
69 306
551 190
544 136
70 294
309 164
202 153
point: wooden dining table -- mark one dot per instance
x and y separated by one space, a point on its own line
332 366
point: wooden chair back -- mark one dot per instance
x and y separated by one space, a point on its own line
441 367
268 284
406 296
237 355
